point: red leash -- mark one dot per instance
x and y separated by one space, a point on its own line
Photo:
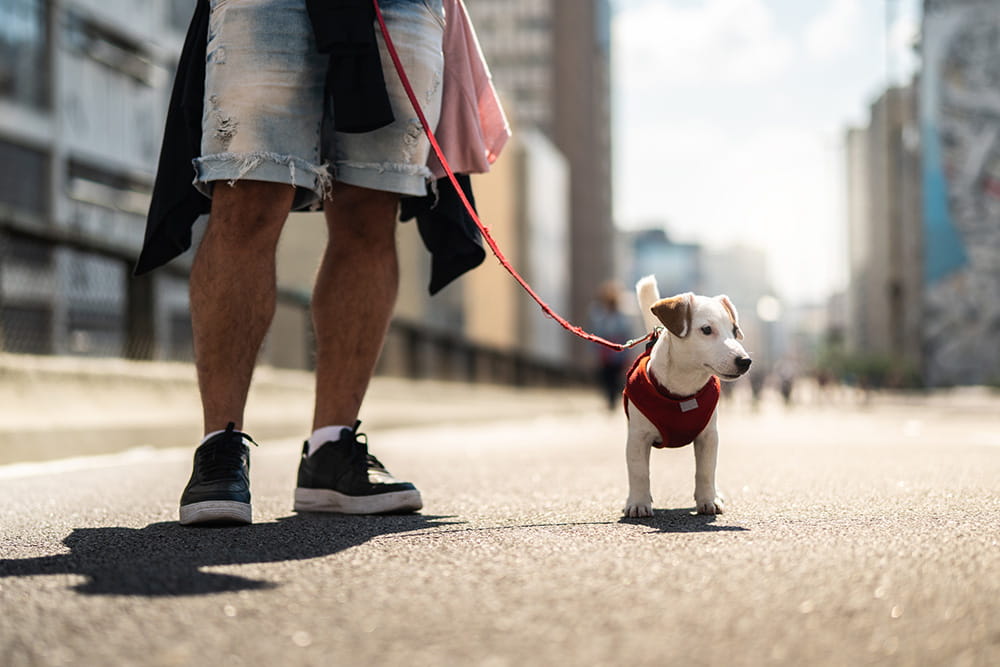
546 308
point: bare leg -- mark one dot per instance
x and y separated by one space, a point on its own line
353 299
233 293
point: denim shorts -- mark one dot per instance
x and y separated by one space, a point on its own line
264 102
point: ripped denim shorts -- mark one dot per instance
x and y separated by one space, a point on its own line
264 102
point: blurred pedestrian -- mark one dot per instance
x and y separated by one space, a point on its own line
609 321
787 371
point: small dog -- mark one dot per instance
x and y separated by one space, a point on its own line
672 390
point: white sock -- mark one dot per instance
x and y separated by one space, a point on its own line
325 434
211 435
215 433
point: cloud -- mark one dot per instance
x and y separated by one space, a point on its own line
727 41
769 189
903 35
831 34
726 125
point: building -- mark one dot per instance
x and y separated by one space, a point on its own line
960 141
677 266
885 237
924 210
551 62
859 254
542 196
83 92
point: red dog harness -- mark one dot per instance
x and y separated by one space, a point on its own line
678 419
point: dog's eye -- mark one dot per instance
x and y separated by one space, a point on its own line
707 330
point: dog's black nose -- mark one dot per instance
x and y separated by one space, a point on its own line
743 363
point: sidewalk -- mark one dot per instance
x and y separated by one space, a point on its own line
57 407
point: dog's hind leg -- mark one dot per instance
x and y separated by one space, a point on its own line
706 452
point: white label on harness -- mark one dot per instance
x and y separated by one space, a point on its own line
689 405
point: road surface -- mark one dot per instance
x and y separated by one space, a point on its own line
854 535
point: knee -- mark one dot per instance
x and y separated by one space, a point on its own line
249 213
362 217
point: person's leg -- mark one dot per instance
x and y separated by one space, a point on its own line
609 384
233 293
356 287
260 157
232 303
352 304
353 299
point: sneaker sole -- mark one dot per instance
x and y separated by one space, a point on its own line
327 500
216 511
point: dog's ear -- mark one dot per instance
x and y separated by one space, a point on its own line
675 313
731 309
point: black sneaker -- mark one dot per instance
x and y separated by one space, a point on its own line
219 489
343 477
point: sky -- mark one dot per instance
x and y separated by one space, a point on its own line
729 119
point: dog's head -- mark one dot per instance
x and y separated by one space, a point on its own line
705 331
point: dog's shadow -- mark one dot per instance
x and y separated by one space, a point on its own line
683 520
166 559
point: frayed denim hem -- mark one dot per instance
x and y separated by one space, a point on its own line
401 178
313 181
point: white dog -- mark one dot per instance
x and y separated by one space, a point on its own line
672 390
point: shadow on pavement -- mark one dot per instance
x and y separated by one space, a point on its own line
166 559
517 526
684 520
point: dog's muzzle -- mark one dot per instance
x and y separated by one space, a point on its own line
743 364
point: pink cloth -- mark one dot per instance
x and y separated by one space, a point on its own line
472 129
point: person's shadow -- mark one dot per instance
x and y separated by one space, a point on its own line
166 559
684 520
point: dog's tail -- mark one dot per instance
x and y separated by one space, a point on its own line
648 294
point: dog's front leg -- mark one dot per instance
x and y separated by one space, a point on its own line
637 448
706 452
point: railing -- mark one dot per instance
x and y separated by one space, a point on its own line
61 293
415 351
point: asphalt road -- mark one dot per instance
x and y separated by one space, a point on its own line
853 536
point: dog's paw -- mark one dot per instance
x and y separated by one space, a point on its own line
638 508
711 506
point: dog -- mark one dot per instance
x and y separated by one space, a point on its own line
672 390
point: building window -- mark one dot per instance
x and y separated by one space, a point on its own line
26 292
23 60
24 178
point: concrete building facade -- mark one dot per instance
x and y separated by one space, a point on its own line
551 62
83 91
885 244
960 141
